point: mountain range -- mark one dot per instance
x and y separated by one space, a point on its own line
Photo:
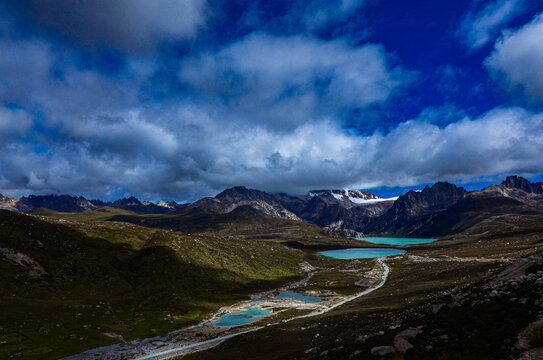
437 210
73 204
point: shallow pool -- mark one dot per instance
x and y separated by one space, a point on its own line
242 317
360 253
299 297
394 241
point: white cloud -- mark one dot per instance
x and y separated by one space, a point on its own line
320 13
480 27
286 81
14 123
186 153
518 58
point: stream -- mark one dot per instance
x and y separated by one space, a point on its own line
210 332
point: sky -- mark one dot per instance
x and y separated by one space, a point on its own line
180 99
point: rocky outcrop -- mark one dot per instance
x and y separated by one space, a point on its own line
7 203
517 182
236 197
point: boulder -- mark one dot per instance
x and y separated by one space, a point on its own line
383 351
409 333
401 345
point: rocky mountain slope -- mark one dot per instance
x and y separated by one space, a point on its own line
235 197
503 207
72 204
321 207
437 210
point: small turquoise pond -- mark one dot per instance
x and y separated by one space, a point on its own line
299 297
360 253
394 241
242 317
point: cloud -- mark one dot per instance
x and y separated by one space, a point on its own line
23 67
45 79
289 17
517 59
285 81
480 26
134 26
14 123
320 13
186 153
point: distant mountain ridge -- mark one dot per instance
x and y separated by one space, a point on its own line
437 210
73 204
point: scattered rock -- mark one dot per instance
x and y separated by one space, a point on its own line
437 308
356 352
453 305
360 338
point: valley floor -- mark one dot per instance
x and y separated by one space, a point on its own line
462 297
459 303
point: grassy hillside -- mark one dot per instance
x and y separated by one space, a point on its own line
65 283
101 214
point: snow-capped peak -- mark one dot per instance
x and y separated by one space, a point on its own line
166 204
355 196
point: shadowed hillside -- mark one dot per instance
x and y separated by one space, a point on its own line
63 279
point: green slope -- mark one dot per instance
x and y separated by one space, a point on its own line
243 221
119 278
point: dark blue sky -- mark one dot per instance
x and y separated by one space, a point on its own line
178 99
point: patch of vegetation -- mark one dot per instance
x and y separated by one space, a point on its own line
102 214
535 338
533 269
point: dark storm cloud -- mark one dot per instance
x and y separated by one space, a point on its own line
135 26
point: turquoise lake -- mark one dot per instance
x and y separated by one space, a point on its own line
242 317
299 297
360 253
394 241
